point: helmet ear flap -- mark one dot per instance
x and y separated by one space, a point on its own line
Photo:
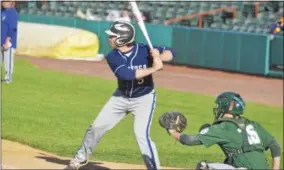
232 105
238 105
219 110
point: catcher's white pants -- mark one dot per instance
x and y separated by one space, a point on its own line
216 166
7 57
112 113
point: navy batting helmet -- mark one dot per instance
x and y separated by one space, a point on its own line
123 31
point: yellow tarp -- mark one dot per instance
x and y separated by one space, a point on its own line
79 45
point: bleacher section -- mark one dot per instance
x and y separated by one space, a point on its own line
245 20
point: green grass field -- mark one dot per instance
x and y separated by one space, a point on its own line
50 110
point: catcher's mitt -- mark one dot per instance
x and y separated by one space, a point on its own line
173 120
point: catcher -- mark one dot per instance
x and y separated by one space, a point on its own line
243 141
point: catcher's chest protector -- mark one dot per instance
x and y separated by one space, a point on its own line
250 139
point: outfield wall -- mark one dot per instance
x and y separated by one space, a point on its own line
223 50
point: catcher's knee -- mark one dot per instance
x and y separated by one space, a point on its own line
202 166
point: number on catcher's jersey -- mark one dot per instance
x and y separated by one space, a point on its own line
253 137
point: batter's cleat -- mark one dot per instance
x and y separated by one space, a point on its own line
75 164
6 81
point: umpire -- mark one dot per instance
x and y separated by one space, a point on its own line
9 24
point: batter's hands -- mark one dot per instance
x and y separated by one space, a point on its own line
155 53
6 45
157 64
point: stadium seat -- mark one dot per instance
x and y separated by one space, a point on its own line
39 12
49 13
31 11
194 21
214 26
71 9
258 30
238 5
23 11
75 3
194 5
57 13
181 12
243 29
84 5
32 4
159 15
67 14
252 29
156 21
161 10
236 28
169 14
225 27
62 8
265 30
66 3
214 5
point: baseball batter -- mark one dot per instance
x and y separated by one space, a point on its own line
243 141
9 24
133 64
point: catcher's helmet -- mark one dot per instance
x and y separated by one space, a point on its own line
123 31
229 102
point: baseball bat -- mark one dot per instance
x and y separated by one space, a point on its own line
138 16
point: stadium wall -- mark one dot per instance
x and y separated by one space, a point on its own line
223 50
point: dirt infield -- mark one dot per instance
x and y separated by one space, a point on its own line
18 156
255 89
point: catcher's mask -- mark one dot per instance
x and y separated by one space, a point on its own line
228 102
123 31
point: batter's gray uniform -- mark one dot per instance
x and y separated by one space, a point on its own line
132 95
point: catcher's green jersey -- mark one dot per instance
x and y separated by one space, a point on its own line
230 138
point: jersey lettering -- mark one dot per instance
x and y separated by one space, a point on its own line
138 67
253 137
137 58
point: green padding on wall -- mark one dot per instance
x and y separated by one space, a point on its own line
276 51
213 53
181 41
231 52
160 35
196 48
220 50
253 53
